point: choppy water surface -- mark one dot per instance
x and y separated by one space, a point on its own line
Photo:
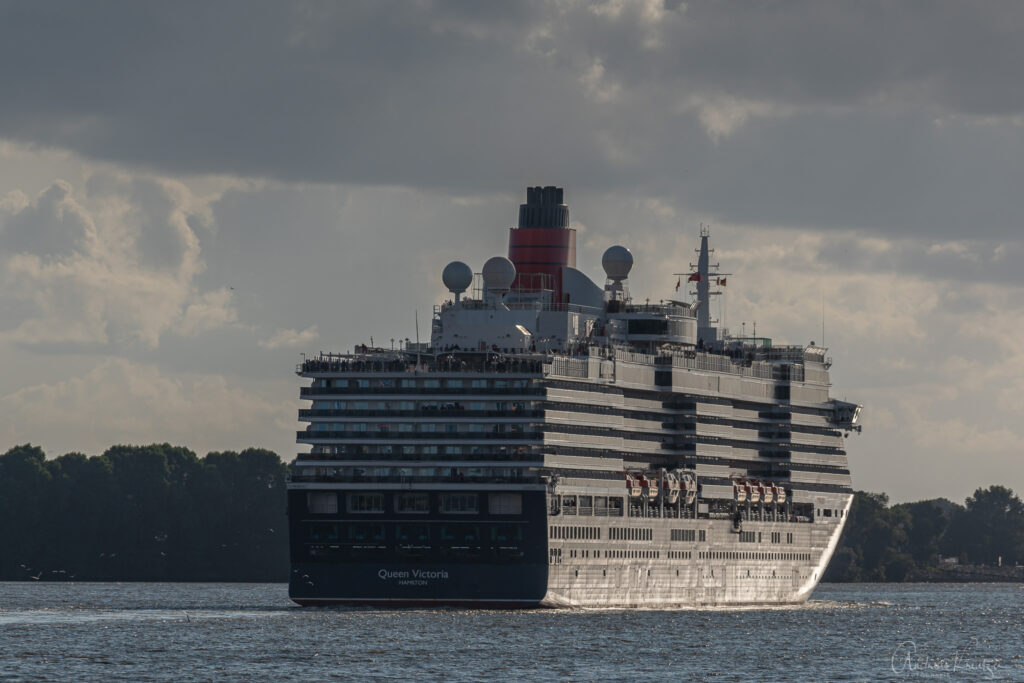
145 632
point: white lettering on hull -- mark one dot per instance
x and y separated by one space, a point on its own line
414 577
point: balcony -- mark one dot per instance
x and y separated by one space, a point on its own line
437 412
309 392
524 478
420 436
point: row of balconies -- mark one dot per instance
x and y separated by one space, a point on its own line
312 436
311 392
443 412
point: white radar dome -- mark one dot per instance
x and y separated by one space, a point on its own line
457 277
617 262
498 273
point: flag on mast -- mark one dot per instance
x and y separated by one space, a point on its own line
679 281
721 282
694 278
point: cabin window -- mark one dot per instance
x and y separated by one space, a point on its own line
365 532
505 503
366 502
414 503
659 327
412 533
506 533
568 505
322 502
459 503
319 531
460 533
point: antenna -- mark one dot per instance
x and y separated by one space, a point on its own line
416 313
823 318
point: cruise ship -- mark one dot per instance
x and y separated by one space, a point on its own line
559 442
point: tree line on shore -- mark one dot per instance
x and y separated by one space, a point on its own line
161 513
909 541
143 513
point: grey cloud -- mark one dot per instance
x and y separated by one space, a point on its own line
482 97
945 56
52 225
967 261
164 230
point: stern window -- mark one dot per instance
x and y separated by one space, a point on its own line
366 502
459 503
322 502
505 503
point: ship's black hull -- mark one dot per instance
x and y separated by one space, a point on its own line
430 558
405 585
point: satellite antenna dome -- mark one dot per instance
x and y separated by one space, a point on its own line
498 274
617 261
457 277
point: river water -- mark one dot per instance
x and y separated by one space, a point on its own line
161 632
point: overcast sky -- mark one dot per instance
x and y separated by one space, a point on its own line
192 194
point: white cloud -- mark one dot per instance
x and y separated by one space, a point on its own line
599 87
118 401
290 338
114 265
14 202
721 115
208 311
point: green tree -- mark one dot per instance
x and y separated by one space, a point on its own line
24 485
153 512
929 520
991 526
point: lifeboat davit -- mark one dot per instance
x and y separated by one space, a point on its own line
632 486
689 484
766 492
671 486
648 488
781 495
754 491
739 490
